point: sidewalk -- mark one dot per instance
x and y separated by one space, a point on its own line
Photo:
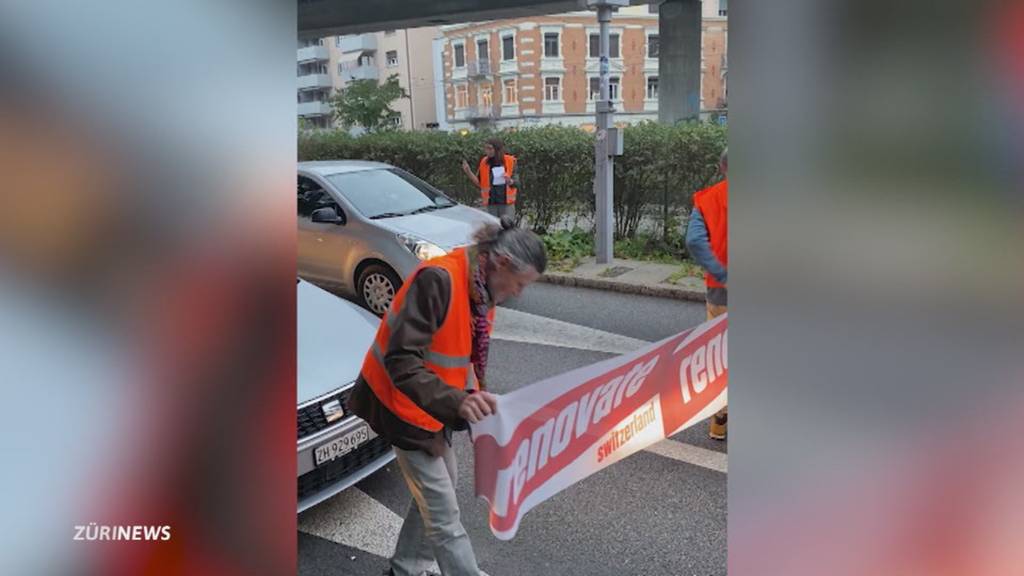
630 277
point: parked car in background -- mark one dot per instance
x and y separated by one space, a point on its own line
364 226
335 449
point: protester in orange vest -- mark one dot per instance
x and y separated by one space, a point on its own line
425 376
494 178
707 238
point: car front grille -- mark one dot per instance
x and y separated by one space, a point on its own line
311 418
319 478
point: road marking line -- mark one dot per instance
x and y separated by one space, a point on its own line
710 459
518 326
354 519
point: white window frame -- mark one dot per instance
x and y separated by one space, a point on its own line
455 44
556 63
510 33
592 77
647 43
544 32
553 106
508 66
391 64
514 101
611 32
476 43
650 64
480 96
647 86
561 92
455 96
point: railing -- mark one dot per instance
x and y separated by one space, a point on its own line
478 68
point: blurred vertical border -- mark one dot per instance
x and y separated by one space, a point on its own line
877 382
147 277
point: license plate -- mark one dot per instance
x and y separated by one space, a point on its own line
341 446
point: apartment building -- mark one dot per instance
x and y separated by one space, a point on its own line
328 65
542 70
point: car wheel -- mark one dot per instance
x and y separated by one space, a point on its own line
377 287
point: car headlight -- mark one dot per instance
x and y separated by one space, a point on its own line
421 248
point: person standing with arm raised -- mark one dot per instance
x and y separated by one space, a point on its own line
495 177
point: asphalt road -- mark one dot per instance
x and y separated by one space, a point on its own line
657 512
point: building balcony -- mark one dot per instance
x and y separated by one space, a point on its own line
509 67
315 82
350 73
314 54
480 113
314 109
358 43
479 69
552 65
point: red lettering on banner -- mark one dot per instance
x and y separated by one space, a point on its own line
605 405
683 374
703 372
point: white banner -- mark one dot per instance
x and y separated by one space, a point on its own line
551 434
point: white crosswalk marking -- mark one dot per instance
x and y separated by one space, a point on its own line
517 326
717 461
354 519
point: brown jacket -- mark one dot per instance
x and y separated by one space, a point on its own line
422 313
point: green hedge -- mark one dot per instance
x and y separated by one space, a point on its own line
656 178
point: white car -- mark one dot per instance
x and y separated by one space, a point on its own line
335 449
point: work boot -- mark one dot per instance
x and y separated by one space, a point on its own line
717 427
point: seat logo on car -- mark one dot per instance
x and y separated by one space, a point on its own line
333 411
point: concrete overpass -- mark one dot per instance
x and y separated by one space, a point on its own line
679 32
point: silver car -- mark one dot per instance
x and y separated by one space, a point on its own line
335 449
364 226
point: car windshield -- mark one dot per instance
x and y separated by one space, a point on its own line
388 193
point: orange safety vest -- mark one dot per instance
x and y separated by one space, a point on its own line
713 203
485 180
448 355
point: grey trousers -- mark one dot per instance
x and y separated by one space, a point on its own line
499 210
432 528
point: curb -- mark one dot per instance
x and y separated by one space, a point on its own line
623 287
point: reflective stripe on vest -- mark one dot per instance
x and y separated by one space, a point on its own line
485 179
713 203
448 355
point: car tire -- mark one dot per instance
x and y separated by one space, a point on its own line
376 287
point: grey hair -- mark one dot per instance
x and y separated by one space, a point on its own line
522 247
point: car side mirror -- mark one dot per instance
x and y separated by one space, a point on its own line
328 215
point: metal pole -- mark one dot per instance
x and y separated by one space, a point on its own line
603 168
408 74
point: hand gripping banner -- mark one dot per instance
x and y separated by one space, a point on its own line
551 434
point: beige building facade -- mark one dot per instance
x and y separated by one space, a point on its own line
327 65
544 69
